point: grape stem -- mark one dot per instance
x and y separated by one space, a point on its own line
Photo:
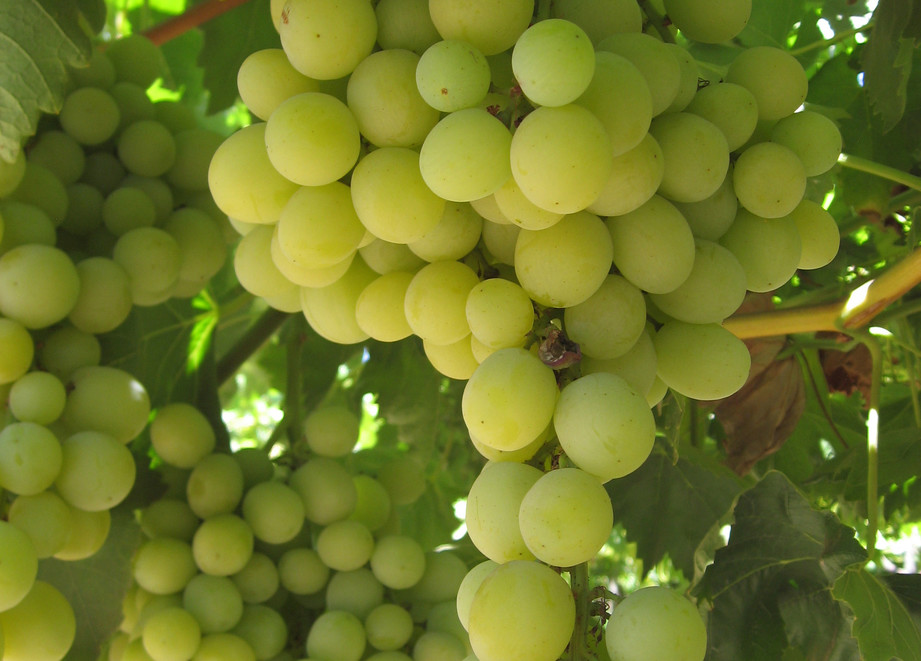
839 37
190 20
880 170
264 327
293 351
659 21
578 581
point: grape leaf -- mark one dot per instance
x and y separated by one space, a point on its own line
39 39
771 22
815 627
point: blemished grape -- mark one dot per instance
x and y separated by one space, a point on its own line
773 76
452 75
435 302
656 622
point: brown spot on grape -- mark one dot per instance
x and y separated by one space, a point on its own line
284 15
444 91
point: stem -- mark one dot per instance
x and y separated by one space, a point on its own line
837 39
578 580
246 346
788 321
293 378
190 20
880 170
911 366
543 10
659 21
876 354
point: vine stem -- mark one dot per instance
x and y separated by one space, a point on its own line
578 581
880 170
249 343
876 354
190 20
844 35
659 21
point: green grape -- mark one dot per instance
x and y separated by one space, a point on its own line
814 138
318 227
200 242
30 458
327 489
24 223
655 61
372 507
379 307
345 545
444 571
500 241
696 156
553 61
539 626
243 181
655 622
729 107
266 78
258 580
222 545
105 299
223 647
385 257
312 139
509 399
63 352
635 177
98 72
388 627
405 24
152 259
256 465
403 478
215 485
608 322
561 158
172 634
466 155
604 425
336 635
39 285
254 267
600 18
88 532
103 171
492 510
108 400
11 173
637 366
491 27
330 310
37 397
357 592
469 587
18 565
393 655
701 361
438 646
452 75
301 571
769 179
456 234
454 360
41 627
383 96
175 115
126 208
274 511
97 472
818 232
499 313
136 59
134 651
331 430
326 39
698 21
41 187
775 78
769 249
619 96
90 115
194 149
164 565
306 276
61 154
488 208
159 192
133 104
435 301
45 518
214 601
169 517
520 210
710 218
147 148
398 561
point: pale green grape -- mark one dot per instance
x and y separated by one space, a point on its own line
372 507
326 488
600 18
403 478
469 587
63 352
258 580
326 39
818 233
18 565
466 155
454 360
701 361
637 366
215 485
331 430
41 627
136 59
710 218
379 308
388 627
385 257
214 601
509 399
105 299
731 108
775 78
656 622
435 301
41 187
619 96
499 313
194 149
30 458
60 153
274 511
254 267
690 78
106 399
699 21
264 629
147 148
489 209
500 240
444 571
169 517
330 310
357 592
769 249
97 471
561 158
438 646
243 181
39 285
553 61
126 208
398 561
345 545
696 156
319 227
635 177
88 532
492 510
133 104
769 179
152 259
565 517
539 625
336 635
392 655
222 545
37 397
301 571
405 24
608 322
266 78
45 518
200 242
172 634
604 425
104 171
25 223
456 234
312 139
90 115
164 565
520 455
306 276
223 647
452 75
383 96
492 27
11 173
256 465
814 138
520 210
653 246
655 61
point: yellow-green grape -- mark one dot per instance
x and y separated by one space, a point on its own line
258 580
39 285
653 246
147 148
330 310
30 458
710 218
336 634
152 259
444 571
41 627
480 351
373 507
600 18
451 75
539 625
656 622
215 485
456 234
405 24
63 352
326 39
690 77
435 301
637 366
469 586
490 26
37 397
466 155
729 107
306 276
385 257
106 399
698 22
172 634
88 532
814 138
561 157
61 154
520 210
454 360
45 518
769 179
818 232
769 249
492 510
388 627
104 171
169 517
136 59
655 61
775 78
438 646
274 511
164 565
194 149
383 96
104 301
97 471
214 601
509 399
264 629
90 115
222 545
41 187
604 425
500 240
318 227
175 115
223 647
312 139
18 565
256 465
553 61
398 561
254 267
696 156
11 173
500 313
519 455
391 655
327 490
345 545
25 223
243 181
201 243
357 592
379 308
489 209
331 430
266 79
133 104
701 361
403 478
619 96
608 322
301 571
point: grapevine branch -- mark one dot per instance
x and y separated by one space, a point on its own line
264 327
880 170
190 20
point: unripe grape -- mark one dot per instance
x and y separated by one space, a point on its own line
492 510
600 18
656 622
39 285
775 78
699 22
97 471
18 565
266 78
41 627
701 361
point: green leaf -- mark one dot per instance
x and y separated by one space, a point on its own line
883 627
38 40
815 627
771 22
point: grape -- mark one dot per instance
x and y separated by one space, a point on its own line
398 561
104 301
263 629
64 351
306 276
388 627
539 626
492 510
444 572
327 39
327 490
266 78
456 234
164 565
214 601
254 267
336 635
561 158
152 259
88 532
688 81
385 257
405 24
438 646
635 177
655 61
136 59
488 208
330 310
41 187
435 301
711 218
372 506
773 76
469 587
24 223
18 565
222 545
61 154
379 307
30 458
818 233
45 518
653 246
466 155
106 399
312 139
331 430
172 634
194 149
345 545
37 397
147 148
169 517
357 592
769 249
403 478
104 171
452 75
701 361
769 179
223 647
133 104
500 240
600 18
215 485
500 313
655 622
520 210
509 399
637 366
301 571
159 192
698 21
731 108
126 208
97 472
274 511
39 285
492 27
11 173
201 243
41 627
696 156
175 115
90 115
553 61
814 138
258 580
608 322
520 455
604 426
